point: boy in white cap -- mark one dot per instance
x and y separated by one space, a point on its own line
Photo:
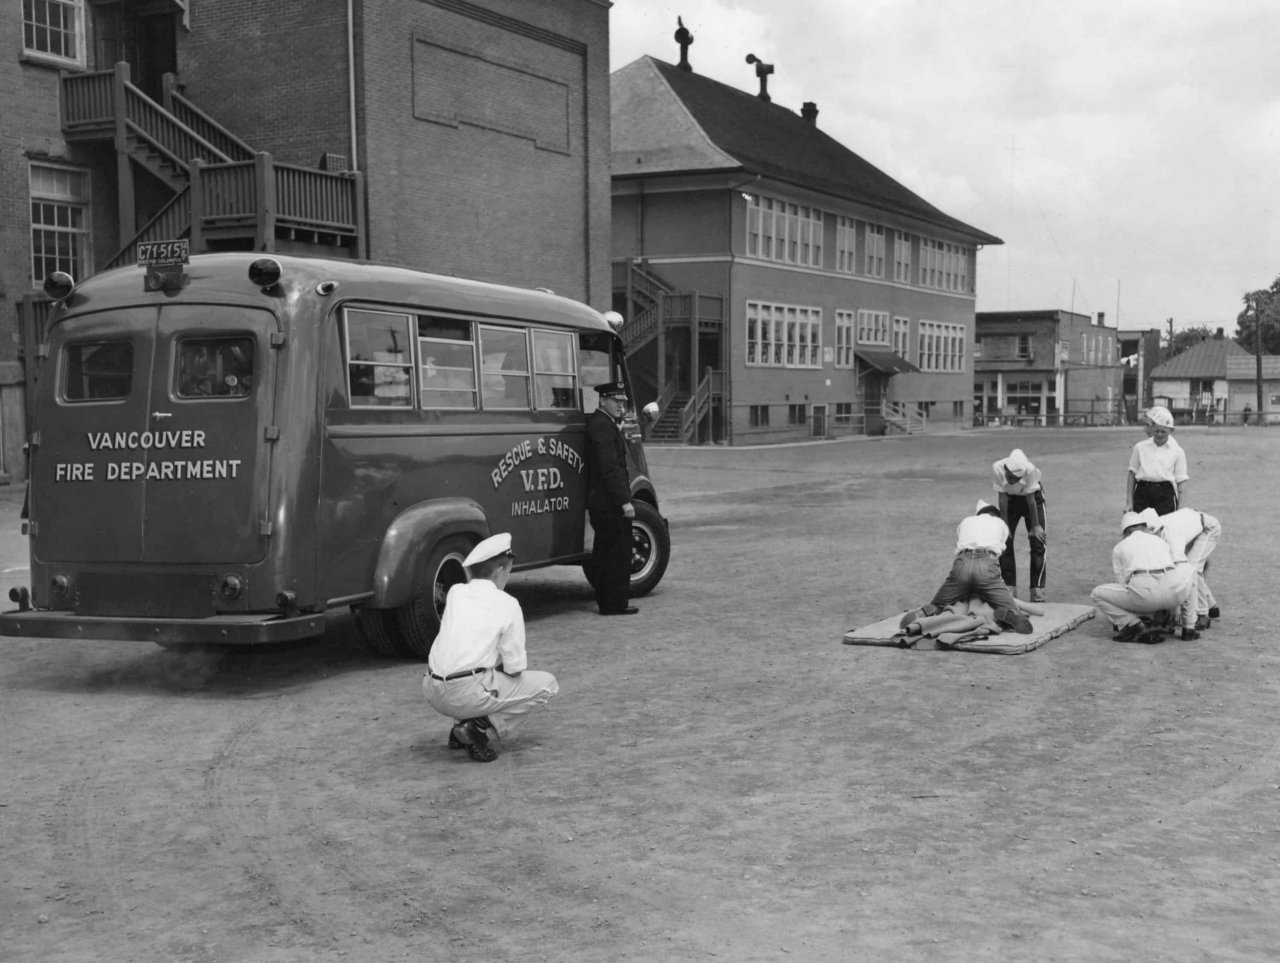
476 672
1147 581
1017 483
1157 467
975 571
1192 536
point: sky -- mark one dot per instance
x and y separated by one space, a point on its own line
1127 152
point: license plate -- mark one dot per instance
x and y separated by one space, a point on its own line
157 253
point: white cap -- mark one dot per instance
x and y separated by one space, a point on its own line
491 547
1160 416
1151 518
1130 519
980 506
1017 462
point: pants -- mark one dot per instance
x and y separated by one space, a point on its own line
974 573
1144 594
503 698
1200 599
1160 495
1013 508
611 559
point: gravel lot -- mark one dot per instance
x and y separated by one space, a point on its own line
719 779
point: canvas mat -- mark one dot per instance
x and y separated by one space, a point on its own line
1059 617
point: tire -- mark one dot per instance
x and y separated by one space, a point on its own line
379 633
650 549
418 620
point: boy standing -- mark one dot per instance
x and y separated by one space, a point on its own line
1017 483
1157 467
476 671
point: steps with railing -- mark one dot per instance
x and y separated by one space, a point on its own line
903 418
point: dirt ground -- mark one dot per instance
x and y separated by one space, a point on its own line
719 779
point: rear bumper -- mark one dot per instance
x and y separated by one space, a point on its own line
224 629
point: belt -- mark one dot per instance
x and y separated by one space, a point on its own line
1150 571
465 673
977 551
1150 481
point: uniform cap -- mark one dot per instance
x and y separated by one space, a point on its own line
1151 518
1017 462
611 388
1130 519
1160 416
980 506
491 547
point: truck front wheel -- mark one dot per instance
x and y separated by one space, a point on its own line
650 549
419 618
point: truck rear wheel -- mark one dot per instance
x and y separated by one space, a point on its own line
650 549
419 619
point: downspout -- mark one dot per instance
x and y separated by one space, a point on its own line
351 80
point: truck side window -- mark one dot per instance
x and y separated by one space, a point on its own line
379 362
554 379
97 370
504 354
447 373
215 367
595 366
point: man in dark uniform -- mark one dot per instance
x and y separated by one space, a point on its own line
609 501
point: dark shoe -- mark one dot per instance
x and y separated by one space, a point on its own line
1203 622
1151 637
629 610
1130 632
455 742
1037 596
915 615
1014 621
1214 613
1190 635
475 734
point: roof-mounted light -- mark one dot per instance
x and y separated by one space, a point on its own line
613 319
265 272
59 285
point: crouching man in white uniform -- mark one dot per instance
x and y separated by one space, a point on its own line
1147 581
1192 537
477 668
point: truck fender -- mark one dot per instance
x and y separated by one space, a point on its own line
411 534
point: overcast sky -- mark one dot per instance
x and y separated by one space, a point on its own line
1126 151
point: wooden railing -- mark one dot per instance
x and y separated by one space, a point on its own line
88 102
701 312
171 221
33 325
208 129
700 404
178 142
904 417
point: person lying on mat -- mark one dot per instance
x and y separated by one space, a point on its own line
975 571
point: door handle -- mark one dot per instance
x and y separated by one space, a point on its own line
157 415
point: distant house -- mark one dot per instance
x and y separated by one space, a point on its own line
1046 367
1195 385
775 285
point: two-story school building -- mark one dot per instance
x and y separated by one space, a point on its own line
776 285
461 137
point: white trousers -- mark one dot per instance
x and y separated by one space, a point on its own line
503 698
1144 594
1201 600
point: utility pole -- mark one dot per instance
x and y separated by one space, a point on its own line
1171 337
1257 349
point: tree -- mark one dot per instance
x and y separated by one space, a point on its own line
1264 302
1188 338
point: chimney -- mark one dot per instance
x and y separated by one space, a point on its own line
1102 319
809 111
1218 335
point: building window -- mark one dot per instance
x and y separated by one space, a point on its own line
1023 351
940 346
53 28
873 327
797 414
844 413
844 339
783 335
944 267
874 235
902 257
59 222
846 245
780 231
957 409
758 416
902 338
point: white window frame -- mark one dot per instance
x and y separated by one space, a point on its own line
846 245
783 335
873 242
940 347
54 190
70 26
943 266
782 231
902 337
845 325
873 327
902 257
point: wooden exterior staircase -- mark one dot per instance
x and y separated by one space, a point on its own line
225 195
903 419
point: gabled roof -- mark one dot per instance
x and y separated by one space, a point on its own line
1208 359
670 121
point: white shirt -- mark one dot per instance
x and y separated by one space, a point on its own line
482 627
1140 552
1179 529
1161 463
1029 481
982 532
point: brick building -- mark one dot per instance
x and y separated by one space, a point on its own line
777 286
466 137
1046 367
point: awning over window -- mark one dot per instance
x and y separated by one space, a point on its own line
884 361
